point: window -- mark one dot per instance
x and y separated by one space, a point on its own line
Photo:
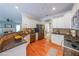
18 28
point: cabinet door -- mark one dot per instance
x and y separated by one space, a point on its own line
70 52
58 23
74 53
58 39
32 37
67 52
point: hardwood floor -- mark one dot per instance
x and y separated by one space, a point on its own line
42 47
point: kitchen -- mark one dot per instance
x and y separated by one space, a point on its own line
60 27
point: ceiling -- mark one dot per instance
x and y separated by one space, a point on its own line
35 10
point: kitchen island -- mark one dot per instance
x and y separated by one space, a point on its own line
11 40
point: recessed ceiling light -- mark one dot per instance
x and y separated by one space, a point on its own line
53 8
16 7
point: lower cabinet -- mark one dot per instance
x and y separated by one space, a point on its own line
40 35
70 52
58 39
32 38
32 35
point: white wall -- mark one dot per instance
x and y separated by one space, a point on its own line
28 22
66 20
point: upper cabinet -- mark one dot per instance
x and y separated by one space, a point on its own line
58 23
62 22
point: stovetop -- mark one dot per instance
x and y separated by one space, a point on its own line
73 45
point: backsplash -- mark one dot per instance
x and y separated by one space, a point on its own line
67 33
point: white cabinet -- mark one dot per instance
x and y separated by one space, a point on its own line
58 23
62 22
57 39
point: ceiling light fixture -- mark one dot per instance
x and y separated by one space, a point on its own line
53 8
16 7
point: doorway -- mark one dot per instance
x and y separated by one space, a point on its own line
48 31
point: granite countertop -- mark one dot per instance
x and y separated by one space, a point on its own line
13 44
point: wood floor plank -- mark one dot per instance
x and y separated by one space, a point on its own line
42 47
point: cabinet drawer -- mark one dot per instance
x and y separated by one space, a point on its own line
74 53
70 52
